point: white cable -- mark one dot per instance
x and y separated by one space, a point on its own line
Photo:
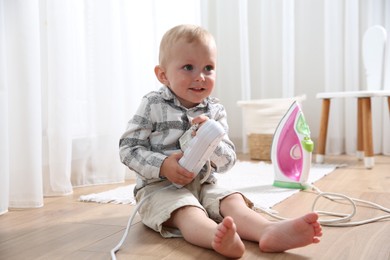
336 222
343 218
118 246
125 234
208 173
269 213
341 222
372 205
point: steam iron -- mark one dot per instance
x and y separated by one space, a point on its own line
291 150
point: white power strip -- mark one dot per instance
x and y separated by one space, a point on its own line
198 149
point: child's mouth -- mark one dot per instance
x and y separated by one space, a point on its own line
197 89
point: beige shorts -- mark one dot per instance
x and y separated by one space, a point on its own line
158 208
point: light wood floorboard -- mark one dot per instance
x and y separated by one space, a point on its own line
68 229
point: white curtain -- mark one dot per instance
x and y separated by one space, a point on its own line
72 73
286 48
345 24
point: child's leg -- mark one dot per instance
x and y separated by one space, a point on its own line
198 229
272 236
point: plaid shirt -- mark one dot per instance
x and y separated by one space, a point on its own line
154 131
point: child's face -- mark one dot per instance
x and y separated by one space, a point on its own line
190 71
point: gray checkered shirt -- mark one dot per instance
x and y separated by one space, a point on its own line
154 131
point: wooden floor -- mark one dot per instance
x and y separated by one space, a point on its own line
68 229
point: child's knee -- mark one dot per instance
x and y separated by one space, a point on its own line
183 213
234 202
233 198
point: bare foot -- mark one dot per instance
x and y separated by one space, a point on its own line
226 240
289 234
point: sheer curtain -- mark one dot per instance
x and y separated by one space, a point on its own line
285 48
345 24
72 73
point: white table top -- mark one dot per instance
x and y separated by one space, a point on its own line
356 94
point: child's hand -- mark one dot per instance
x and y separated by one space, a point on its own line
199 120
174 172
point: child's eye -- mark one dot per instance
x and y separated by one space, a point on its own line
208 68
188 67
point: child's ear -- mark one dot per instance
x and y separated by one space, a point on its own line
161 76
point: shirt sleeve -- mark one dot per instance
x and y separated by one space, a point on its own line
224 156
135 147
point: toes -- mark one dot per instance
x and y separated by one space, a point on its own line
311 218
228 222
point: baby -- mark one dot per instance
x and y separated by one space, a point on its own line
203 213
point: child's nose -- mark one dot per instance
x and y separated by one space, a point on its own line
200 77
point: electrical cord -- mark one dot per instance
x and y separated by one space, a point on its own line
131 219
342 219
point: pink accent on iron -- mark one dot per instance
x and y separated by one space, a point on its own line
289 141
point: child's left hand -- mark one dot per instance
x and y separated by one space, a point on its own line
199 120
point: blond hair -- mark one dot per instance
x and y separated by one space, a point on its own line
187 32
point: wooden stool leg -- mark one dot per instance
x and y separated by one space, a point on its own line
360 145
388 102
323 131
367 134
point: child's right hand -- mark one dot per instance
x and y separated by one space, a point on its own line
174 172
